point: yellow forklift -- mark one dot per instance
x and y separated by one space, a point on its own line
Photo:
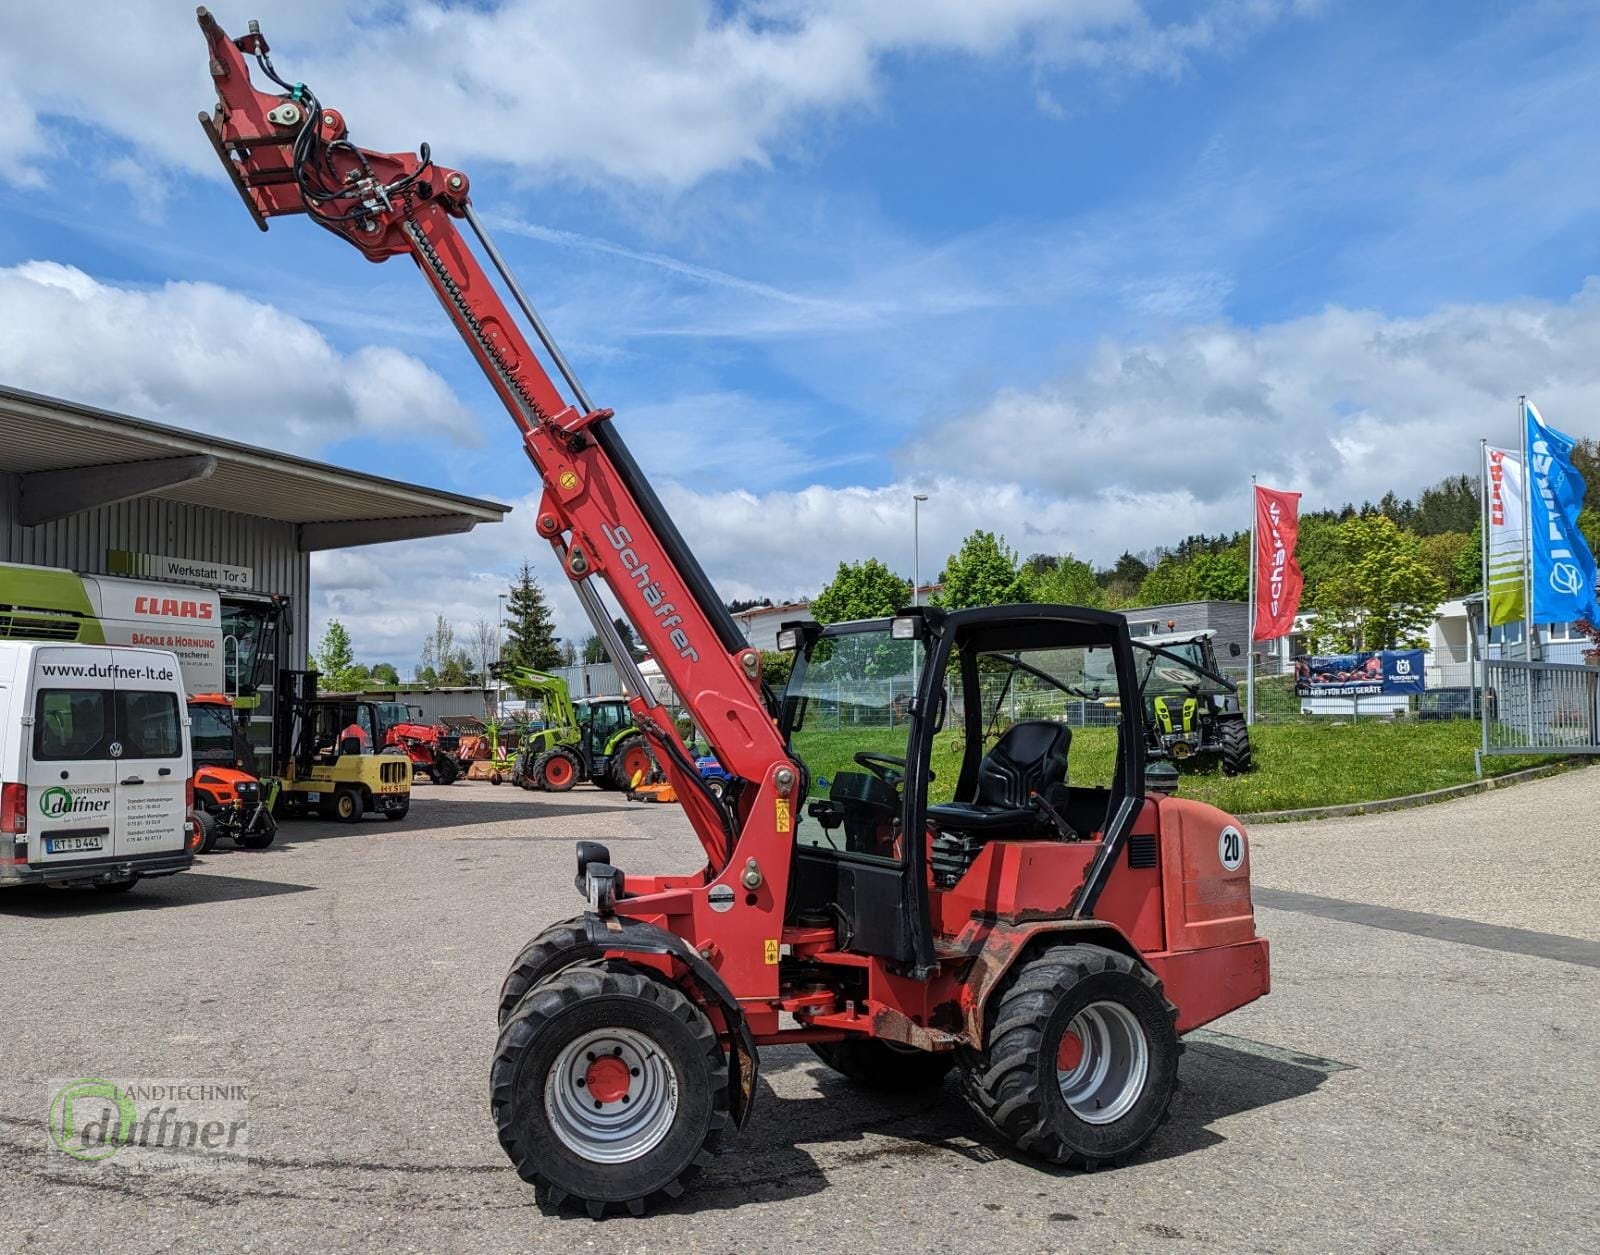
330 757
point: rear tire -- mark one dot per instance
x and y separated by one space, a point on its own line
556 771
1080 1059
1236 754
876 1064
632 758
347 806
444 770
558 947
651 1057
399 814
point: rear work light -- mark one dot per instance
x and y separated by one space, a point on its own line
14 808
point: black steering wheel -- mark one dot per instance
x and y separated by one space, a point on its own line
886 767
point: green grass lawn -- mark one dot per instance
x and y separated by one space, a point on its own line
1300 764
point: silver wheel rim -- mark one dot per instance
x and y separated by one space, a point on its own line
611 1095
1108 1076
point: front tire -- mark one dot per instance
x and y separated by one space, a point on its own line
876 1064
1236 754
208 831
1080 1059
609 1089
558 947
556 771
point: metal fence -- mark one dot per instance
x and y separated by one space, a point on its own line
886 703
1540 707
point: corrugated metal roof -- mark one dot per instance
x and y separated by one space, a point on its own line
40 433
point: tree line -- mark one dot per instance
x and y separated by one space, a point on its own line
1374 574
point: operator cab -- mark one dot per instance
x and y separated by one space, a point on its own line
1007 723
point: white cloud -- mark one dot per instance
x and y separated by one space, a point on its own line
1141 446
658 92
1345 404
206 357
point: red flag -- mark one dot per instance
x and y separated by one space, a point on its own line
1278 579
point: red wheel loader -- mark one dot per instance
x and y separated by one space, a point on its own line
906 887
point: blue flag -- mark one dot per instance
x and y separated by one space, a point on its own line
1563 567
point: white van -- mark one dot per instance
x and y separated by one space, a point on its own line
94 766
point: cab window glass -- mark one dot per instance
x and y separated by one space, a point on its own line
848 720
71 724
1074 685
147 725
210 730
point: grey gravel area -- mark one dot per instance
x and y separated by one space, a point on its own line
1394 1093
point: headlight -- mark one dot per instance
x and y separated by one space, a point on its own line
249 790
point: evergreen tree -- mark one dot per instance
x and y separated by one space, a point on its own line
530 627
594 649
1451 505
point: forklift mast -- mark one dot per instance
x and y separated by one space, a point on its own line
287 153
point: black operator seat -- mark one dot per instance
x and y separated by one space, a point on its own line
1028 759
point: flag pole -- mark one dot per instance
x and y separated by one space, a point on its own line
1527 550
1483 639
1528 643
1250 645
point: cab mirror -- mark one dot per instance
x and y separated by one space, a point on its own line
1233 649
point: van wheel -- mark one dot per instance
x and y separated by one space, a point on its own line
118 886
347 806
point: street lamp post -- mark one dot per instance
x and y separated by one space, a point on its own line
917 499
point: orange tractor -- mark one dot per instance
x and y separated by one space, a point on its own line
229 799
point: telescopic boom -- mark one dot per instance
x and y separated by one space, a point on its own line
289 154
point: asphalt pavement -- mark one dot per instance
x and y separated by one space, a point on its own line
1424 1076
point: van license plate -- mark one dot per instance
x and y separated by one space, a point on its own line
70 845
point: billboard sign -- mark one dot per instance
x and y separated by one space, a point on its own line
1386 673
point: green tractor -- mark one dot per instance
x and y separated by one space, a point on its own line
593 739
1191 710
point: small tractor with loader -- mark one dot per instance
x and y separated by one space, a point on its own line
427 745
1001 911
593 739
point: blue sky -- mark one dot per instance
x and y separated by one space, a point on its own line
1075 269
